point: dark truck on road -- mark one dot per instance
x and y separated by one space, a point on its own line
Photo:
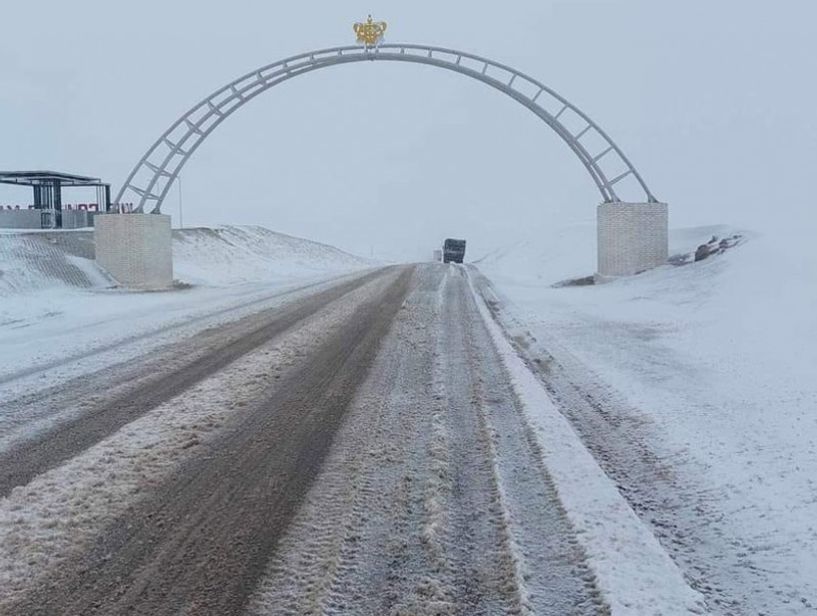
453 251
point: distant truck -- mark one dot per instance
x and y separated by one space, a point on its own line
453 251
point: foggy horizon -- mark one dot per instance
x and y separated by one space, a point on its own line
713 104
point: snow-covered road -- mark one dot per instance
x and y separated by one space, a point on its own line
367 446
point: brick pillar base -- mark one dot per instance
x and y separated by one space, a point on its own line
632 237
135 249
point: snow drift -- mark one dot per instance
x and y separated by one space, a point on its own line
37 261
230 255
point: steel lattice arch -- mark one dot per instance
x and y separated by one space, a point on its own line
151 179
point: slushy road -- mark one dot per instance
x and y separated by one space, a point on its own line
358 450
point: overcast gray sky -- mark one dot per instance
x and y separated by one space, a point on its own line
715 102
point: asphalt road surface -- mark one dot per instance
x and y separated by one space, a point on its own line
357 450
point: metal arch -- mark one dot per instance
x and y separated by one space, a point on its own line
151 179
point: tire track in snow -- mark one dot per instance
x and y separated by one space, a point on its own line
54 530
303 575
103 410
408 516
477 540
379 456
550 566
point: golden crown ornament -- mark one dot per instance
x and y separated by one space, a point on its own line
370 33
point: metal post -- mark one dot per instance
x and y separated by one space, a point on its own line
181 216
57 204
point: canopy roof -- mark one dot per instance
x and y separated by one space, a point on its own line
37 178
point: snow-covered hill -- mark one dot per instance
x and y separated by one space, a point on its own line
233 254
713 366
228 255
37 261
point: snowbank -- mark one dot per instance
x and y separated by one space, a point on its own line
37 261
232 255
634 573
719 359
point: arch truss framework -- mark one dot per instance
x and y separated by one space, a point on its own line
151 179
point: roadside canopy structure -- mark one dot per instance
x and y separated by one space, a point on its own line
48 187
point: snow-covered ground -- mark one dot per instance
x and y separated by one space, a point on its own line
51 290
715 367
231 255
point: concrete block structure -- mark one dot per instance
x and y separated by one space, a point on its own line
41 219
20 219
77 219
135 249
632 237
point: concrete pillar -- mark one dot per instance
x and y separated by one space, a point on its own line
135 249
77 219
632 237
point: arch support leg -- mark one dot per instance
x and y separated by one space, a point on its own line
135 249
632 238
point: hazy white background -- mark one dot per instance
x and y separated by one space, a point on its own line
714 102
